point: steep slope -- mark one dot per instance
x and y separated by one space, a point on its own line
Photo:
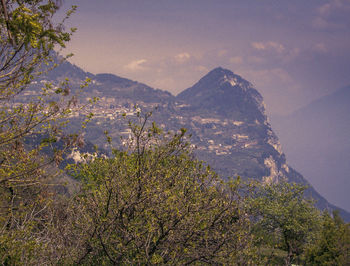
320 132
239 140
227 94
223 112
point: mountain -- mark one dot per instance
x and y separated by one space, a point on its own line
239 141
226 94
223 112
227 119
106 85
320 132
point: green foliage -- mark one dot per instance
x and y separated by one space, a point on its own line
27 38
287 221
151 203
155 204
333 244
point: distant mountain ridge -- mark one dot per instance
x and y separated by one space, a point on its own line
320 132
223 112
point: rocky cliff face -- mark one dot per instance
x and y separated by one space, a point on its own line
223 112
226 116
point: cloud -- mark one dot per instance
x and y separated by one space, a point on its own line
333 5
236 60
256 60
321 23
222 52
269 77
335 14
266 46
271 52
182 57
202 68
136 65
320 47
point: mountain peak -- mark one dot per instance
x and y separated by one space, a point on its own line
223 92
221 76
220 70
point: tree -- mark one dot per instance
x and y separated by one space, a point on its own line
28 36
154 204
333 244
286 220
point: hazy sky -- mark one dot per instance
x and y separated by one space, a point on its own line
292 51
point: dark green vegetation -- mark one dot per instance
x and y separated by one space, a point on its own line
150 202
